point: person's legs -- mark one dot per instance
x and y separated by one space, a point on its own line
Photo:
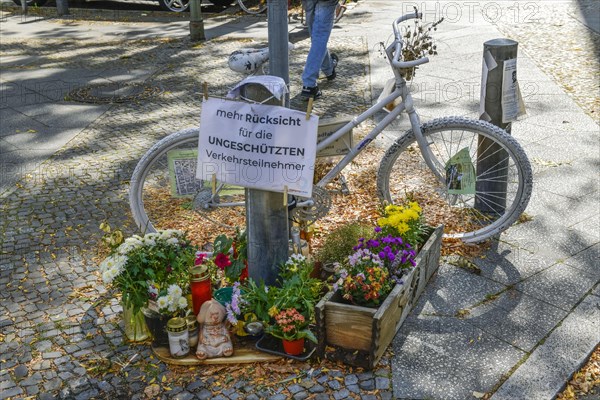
319 19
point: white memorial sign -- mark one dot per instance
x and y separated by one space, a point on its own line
257 146
510 99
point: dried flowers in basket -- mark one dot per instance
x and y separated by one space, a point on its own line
418 43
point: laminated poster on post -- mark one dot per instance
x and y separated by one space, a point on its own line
257 146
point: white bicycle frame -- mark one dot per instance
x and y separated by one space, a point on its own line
401 91
393 52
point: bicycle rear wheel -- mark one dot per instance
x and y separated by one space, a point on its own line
165 194
487 178
253 6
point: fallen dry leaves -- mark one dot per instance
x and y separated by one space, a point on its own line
361 204
586 381
261 376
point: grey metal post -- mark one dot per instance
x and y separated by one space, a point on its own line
62 7
278 41
491 191
266 215
196 21
24 6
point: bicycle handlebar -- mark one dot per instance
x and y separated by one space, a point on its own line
398 43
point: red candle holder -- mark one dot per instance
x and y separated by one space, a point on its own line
200 287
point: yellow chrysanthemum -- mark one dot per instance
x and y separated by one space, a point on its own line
411 214
402 228
415 206
392 208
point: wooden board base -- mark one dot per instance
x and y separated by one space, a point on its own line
243 352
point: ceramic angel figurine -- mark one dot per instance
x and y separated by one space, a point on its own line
214 340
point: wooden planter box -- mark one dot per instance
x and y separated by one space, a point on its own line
360 335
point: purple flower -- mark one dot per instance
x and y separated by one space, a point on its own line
377 229
372 243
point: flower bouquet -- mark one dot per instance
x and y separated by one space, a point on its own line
152 272
365 280
227 263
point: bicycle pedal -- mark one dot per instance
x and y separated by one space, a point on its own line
344 185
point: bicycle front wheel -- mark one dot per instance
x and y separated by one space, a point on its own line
165 193
483 182
253 6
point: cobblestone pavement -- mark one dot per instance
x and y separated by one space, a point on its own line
61 330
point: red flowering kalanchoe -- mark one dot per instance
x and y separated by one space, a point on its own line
290 325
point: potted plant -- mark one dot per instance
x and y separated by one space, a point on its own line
292 328
405 221
377 286
285 310
152 272
364 280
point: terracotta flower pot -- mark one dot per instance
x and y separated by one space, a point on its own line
293 347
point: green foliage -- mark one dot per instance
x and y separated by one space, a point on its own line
339 243
296 290
258 300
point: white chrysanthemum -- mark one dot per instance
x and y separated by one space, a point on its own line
295 259
162 302
116 262
167 233
104 264
182 303
172 304
107 277
131 243
174 291
126 248
163 235
113 269
172 241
